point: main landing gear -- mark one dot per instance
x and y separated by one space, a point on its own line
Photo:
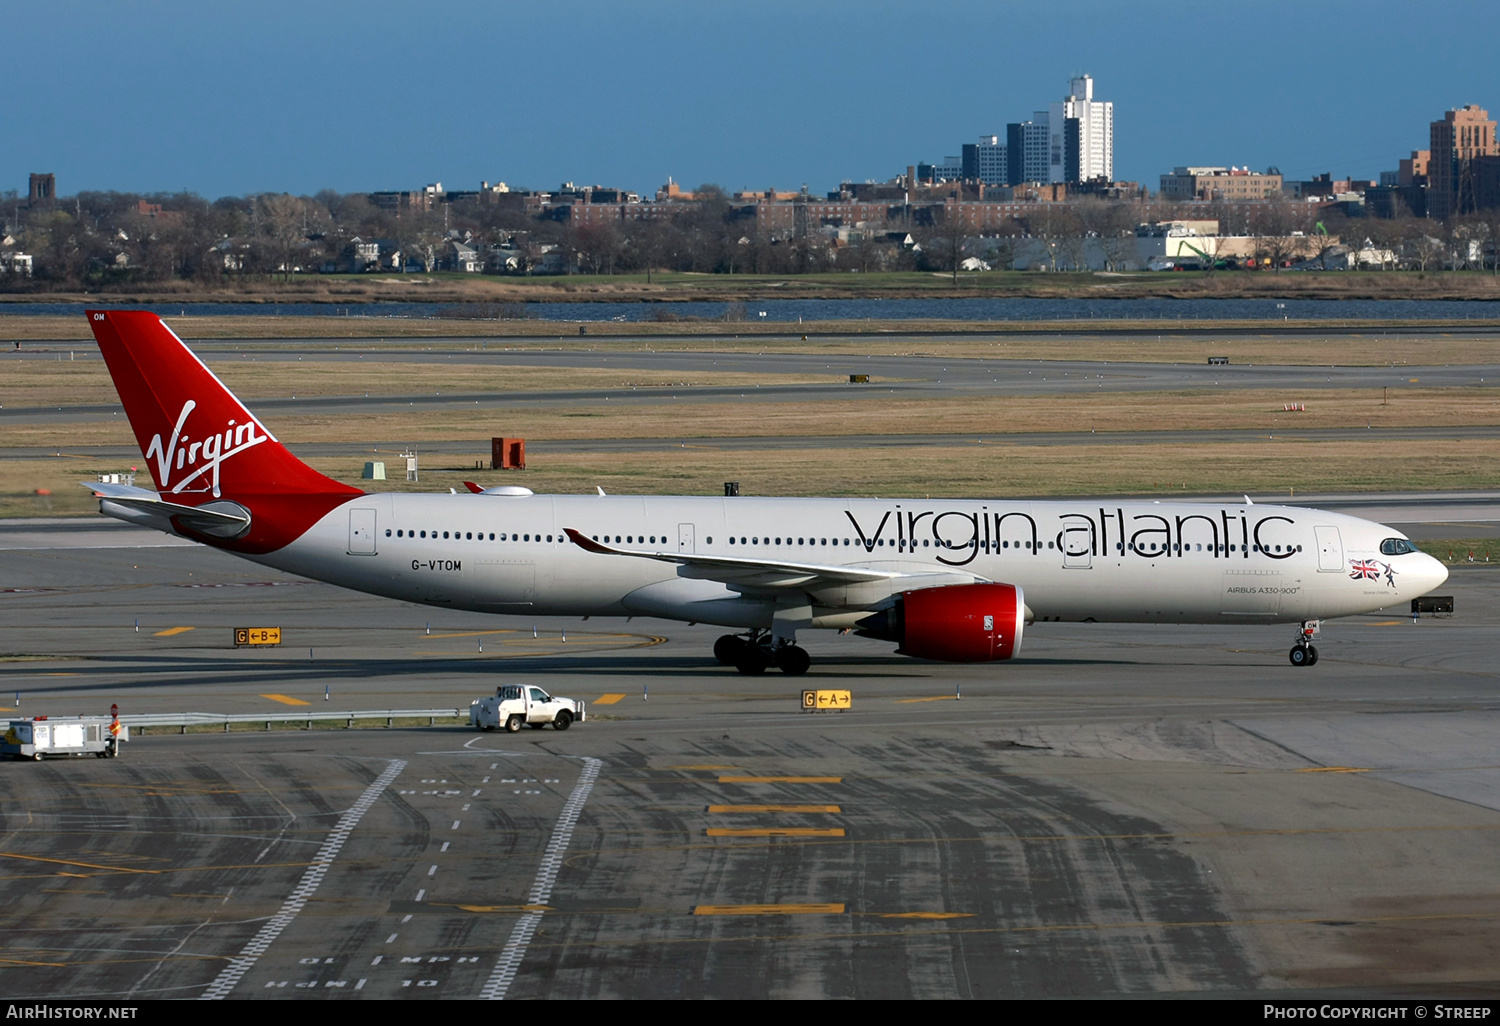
1303 653
757 653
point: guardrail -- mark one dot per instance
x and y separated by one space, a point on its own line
306 716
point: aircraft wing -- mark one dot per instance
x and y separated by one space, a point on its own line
759 573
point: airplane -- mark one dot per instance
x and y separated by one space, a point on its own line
946 579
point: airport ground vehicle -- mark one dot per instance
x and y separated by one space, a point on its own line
73 735
517 705
949 579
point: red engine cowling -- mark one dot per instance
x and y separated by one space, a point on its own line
963 623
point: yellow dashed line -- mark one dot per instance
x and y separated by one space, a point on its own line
774 808
608 699
171 631
829 908
927 915
286 699
775 831
781 780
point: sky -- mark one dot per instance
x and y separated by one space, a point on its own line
231 99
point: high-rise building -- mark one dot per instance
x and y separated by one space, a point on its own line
1081 136
1457 140
986 161
1026 150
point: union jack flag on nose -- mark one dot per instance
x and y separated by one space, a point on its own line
1364 569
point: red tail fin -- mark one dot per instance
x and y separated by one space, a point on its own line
199 441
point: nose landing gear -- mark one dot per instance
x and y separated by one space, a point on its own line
1303 653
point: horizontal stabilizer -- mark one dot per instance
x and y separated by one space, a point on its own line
221 519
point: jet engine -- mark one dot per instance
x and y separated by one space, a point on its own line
961 623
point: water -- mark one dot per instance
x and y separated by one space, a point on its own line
792 311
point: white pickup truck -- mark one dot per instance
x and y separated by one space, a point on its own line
517 705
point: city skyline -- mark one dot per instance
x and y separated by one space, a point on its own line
364 97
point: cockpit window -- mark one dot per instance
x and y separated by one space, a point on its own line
1396 546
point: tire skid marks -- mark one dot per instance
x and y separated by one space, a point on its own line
514 951
231 974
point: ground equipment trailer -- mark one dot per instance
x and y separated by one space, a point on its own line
72 735
518 705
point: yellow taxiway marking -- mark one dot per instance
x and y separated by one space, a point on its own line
1333 769
171 631
826 909
775 831
781 780
505 908
286 699
927 915
934 698
1386 623
608 699
774 808
706 766
470 634
19 961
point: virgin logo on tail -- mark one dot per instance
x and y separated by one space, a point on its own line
182 453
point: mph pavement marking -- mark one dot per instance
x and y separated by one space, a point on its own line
238 967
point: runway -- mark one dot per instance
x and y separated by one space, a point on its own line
1121 810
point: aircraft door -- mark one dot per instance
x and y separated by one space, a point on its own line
1330 549
361 532
1077 546
685 538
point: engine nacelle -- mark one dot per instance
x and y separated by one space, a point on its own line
961 623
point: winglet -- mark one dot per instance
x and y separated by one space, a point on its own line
1248 501
471 486
588 544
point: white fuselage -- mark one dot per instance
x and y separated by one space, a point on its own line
1142 562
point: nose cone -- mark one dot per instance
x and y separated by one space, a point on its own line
1429 574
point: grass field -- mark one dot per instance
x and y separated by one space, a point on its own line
994 463
670 286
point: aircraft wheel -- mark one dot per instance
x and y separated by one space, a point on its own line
793 661
1298 655
728 648
1312 655
515 723
36 756
564 720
